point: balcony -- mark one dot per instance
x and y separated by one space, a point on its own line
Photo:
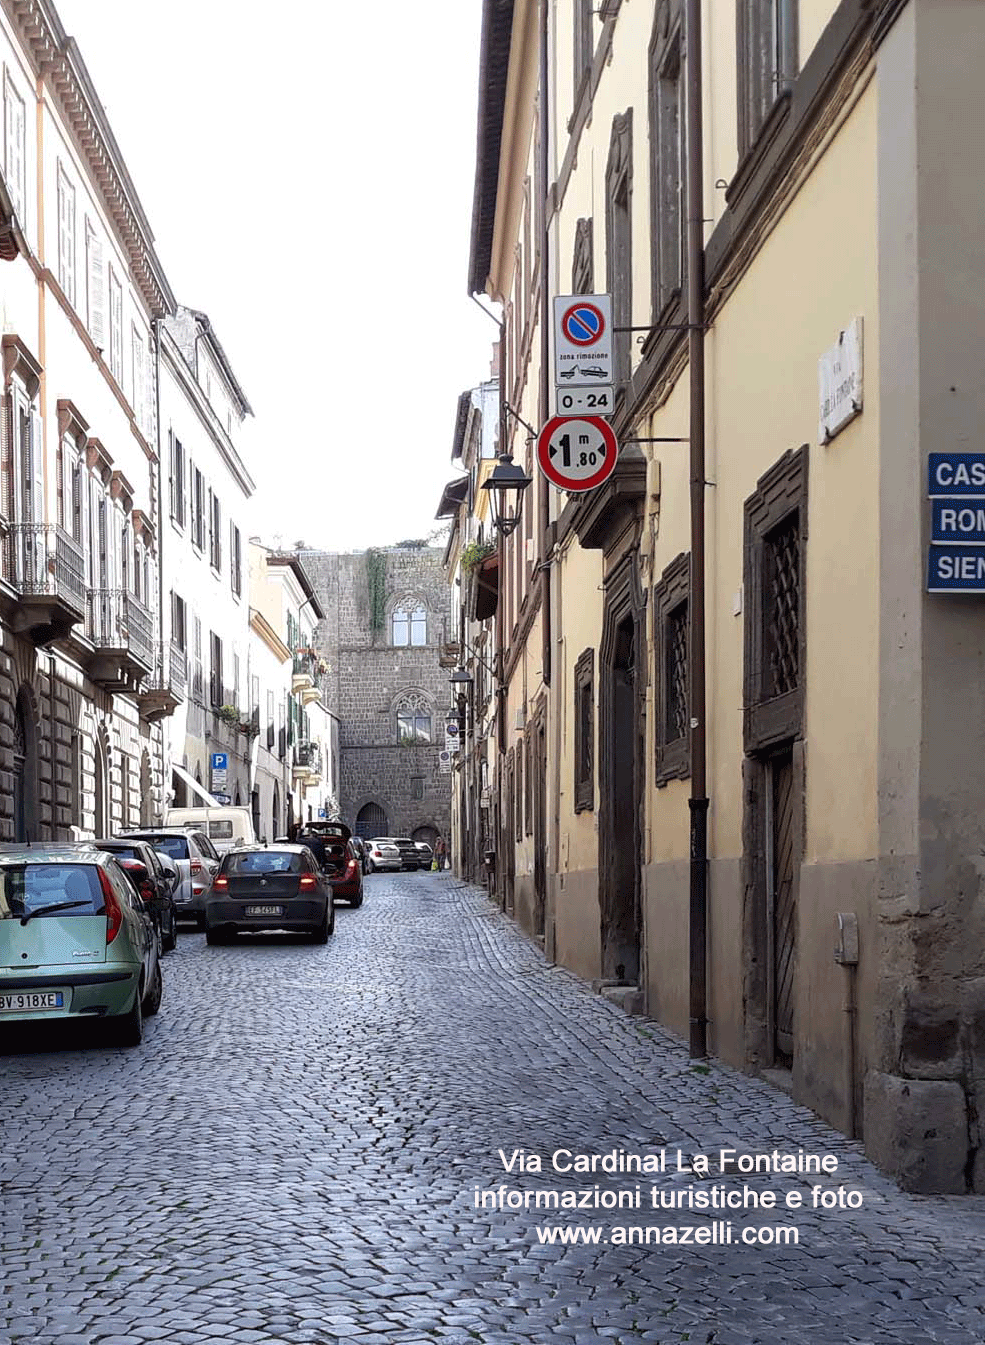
121 631
46 567
307 762
304 674
168 684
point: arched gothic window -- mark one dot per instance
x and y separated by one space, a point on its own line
413 719
409 624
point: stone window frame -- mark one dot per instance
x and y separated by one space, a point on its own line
619 239
584 725
673 755
780 492
668 193
408 609
583 258
414 706
767 62
583 45
520 782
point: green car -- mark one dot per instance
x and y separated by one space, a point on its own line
75 942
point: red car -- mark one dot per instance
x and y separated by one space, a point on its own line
331 844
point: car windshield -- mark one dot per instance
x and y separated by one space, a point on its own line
263 861
174 846
27 889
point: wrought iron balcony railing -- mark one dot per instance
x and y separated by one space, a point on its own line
40 559
170 669
116 620
307 758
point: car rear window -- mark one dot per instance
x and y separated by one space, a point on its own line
174 846
263 861
27 888
221 831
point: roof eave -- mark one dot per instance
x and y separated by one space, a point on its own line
494 62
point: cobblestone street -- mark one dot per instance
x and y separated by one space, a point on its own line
293 1153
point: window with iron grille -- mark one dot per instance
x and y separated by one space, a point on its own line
766 32
776 535
585 732
671 643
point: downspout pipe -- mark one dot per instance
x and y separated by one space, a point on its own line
156 324
698 801
543 500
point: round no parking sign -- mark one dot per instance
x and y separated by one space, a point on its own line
577 453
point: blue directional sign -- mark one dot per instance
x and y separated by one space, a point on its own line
220 761
960 521
956 569
953 474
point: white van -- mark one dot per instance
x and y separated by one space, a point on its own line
224 826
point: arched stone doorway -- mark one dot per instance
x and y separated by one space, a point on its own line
428 834
25 772
371 821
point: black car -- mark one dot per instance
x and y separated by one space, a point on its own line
410 856
359 846
267 887
162 880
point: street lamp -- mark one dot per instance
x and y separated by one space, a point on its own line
462 678
506 485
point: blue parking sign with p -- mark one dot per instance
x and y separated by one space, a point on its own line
220 761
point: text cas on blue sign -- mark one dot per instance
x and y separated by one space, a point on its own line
220 761
956 474
956 569
960 522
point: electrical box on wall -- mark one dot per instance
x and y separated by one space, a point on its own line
846 949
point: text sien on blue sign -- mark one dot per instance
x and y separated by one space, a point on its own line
956 569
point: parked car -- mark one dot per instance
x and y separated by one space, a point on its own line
163 880
269 887
382 854
197 862
409 857
75 941
331 843
425 854
359 846
225 825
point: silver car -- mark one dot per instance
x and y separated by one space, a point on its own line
196 860
382 854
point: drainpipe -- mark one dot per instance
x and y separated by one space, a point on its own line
543 502
698 801
156 328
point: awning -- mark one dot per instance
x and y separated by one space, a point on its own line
485 588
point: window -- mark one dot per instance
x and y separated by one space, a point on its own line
95 289
115 327
197 507
410 625
668 211
417 787
585 732
271 724
177 480
584 43
671 643
216 688
70 515
413 719
198 675
235 560
66 235
179 622
619 237
583 261
15 146
767 60
215 533
775 538
139 399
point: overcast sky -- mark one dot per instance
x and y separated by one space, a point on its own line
307 173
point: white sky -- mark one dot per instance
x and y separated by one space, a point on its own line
307 173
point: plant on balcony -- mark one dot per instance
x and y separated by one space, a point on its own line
376 583
475 553
229 713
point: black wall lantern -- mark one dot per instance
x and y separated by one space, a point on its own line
506 485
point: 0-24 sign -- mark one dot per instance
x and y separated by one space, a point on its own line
577 452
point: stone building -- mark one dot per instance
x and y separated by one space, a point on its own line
387 618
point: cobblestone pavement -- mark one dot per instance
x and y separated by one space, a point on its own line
292 1155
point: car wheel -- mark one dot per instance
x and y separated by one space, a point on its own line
331 917
129 1030
321 933
199 921
214 937
169 941
152 1000
356 902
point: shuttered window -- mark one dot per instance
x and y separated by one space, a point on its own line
139 398
14 146
235 560
66 235
115 326
95 288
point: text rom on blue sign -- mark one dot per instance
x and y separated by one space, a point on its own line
220 761
956 474
956 569
960 522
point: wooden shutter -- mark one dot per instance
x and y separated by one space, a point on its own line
6 457
77 500
172 479
95 285
14 109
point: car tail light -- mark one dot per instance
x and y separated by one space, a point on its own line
196 866
308 880
350 868
114 916
220 883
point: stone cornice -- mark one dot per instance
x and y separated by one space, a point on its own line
268 635
178 366
57 59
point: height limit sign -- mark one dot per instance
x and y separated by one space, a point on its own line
577 453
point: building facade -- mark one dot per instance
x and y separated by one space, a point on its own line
386 621
831 939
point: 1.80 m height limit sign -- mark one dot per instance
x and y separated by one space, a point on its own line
577 453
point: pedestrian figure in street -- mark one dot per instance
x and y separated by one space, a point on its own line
439 852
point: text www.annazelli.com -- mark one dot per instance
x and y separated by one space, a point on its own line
718 1233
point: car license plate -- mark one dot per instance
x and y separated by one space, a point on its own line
264 910
23 1000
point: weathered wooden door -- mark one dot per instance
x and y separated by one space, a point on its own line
783 902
